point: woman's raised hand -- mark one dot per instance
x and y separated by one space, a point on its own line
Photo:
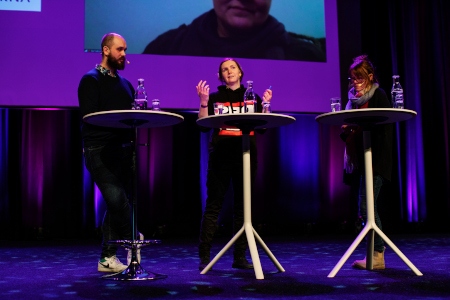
203 92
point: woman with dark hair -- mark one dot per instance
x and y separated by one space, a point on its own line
225 164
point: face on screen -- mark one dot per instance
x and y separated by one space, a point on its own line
213 28
233 15
191 51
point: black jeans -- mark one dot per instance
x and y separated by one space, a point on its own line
224 169
111 170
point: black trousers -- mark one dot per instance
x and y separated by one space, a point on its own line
225 169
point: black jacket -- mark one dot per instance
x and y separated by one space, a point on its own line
381 140
271 41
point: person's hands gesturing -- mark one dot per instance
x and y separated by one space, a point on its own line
203 92
267 95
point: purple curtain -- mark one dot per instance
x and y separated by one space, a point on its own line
411 39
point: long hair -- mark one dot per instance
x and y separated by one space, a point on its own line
362 67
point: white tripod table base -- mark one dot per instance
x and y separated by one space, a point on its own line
370 227
250 234
247 227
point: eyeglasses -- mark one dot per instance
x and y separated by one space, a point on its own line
356 80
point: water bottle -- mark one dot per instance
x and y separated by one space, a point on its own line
140 96
397 92
249 98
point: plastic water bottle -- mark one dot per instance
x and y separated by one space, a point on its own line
397 92
249 98
140 96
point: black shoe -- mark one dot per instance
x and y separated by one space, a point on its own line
241 263
203 264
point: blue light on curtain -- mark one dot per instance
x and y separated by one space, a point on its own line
299 191
409 135
99 207
37 151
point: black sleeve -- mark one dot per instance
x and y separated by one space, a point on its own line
166 42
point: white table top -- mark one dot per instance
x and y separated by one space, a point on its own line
248 120
135 118
366 116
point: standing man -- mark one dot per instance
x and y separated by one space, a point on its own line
107 151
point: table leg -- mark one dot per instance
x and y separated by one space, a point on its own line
247 227
134 271
370 227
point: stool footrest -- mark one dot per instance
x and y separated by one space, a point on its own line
139 243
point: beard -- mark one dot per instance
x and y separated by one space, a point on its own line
116 63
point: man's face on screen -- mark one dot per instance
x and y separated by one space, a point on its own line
236 16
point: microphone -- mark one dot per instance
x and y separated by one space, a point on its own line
128 62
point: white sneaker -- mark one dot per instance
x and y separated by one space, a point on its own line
138 251
110 264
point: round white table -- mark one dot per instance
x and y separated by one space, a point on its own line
133 119
366 118
247 122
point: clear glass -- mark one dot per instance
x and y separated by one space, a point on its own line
140 96
335 104
249 98
156 104
218 108
397 92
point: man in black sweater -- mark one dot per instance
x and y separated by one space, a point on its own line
107 151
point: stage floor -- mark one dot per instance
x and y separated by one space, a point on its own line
67 269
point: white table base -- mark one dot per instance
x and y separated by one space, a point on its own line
370 227
247 227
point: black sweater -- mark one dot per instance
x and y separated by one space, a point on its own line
270 41
233 103
381 140
98 92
